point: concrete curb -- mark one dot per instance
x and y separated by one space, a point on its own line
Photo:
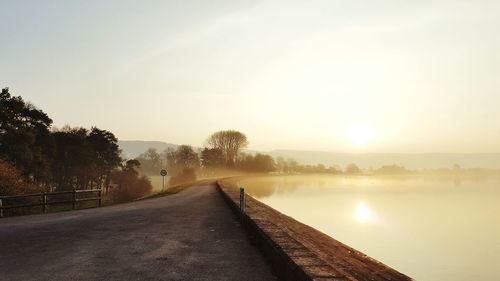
299 252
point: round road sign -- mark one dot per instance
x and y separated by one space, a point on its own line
163 172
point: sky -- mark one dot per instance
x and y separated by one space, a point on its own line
344 76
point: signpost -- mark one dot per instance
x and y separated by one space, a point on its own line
163 173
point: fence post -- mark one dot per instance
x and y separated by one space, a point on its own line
242 200
74 198
1 208
100 197
44 203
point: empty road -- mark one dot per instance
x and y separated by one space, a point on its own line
191 235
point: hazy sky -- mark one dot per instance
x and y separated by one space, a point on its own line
376 76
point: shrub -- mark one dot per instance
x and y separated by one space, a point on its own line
12 183
129 186
187 175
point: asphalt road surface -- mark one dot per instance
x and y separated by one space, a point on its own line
191 235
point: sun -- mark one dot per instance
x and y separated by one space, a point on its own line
360 133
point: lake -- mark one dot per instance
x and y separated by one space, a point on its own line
430 228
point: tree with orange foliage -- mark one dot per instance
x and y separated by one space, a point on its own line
12 182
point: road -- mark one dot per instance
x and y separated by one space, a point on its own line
191 235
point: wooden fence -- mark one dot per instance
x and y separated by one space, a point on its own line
49 198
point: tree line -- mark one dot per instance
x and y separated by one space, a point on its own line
36 157
224 152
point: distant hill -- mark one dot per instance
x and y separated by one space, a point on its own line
411 161
132 148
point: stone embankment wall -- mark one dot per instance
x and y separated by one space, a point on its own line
299 252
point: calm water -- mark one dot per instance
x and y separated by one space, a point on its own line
428 228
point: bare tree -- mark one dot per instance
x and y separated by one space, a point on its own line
352 169
168 158
184 163
186 157
229 142
150 162
155 158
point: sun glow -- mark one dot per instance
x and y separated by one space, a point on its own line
364 213
360 133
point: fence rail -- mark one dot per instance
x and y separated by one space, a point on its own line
45 202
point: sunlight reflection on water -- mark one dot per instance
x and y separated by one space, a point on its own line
363 213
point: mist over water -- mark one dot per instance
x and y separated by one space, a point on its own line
430 228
